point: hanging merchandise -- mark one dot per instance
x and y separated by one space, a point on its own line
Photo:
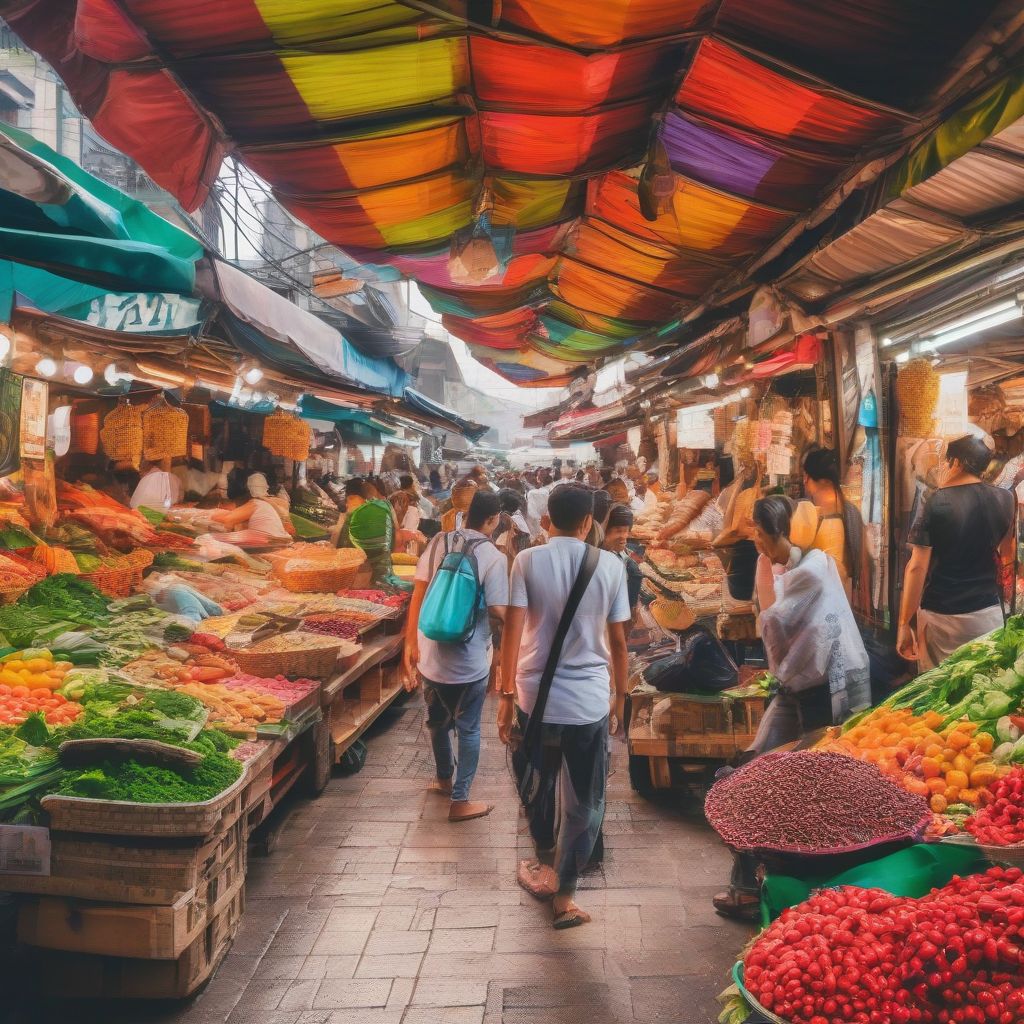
199 424
122 435
34 401
286 436
917 391
164 431
85 428
40 491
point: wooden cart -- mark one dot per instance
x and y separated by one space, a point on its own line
678 739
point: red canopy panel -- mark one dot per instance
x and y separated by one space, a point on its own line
534 79
729 86
506 331
596 23
545 144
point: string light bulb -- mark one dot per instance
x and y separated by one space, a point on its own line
251 372
82 374
46 366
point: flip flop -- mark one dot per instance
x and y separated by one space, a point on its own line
571 917
468 810
537 879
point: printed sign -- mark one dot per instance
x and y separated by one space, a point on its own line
24 850
695 427
34 400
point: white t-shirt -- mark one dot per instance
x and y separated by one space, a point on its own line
266 520
471 661
541 580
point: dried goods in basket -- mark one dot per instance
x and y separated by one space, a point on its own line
85 431
119 577
286 436
291 654
318 574
164 431
122 435
672 614
917 391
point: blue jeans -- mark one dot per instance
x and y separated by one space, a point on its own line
455 706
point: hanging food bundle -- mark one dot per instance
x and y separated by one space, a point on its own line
85 430
917 391
286 436
122 435
164 431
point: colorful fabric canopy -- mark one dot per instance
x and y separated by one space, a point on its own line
393 128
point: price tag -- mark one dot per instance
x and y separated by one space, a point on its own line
24 850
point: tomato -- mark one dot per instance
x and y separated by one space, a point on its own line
20 691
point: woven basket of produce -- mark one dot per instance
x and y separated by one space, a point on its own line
291 654
164 431
319 575
672 614
917 391
55 560
122 435
85 431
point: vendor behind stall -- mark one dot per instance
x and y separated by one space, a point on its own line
158 489
258 513
813 648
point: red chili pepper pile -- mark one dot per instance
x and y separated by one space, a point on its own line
863 956
1001 823
812 802
328 626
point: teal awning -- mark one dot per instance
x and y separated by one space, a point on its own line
313 408
57 216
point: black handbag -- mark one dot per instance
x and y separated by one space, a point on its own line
527 745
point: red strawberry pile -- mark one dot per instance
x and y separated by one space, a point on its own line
864 956
1001 822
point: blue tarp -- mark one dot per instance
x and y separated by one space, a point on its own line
419 402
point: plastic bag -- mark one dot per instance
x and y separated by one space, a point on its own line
701 664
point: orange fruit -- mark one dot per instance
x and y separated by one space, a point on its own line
938 803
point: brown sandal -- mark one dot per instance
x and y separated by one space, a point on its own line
467 810
537 879
571 917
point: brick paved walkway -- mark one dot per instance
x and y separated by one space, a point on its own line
373 909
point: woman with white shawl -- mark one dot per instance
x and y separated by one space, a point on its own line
813 649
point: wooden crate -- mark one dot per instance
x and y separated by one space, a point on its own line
123 929
83 976
145 871
715 728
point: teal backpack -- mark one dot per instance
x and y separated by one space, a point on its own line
455 597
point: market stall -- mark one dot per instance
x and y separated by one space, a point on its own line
928 835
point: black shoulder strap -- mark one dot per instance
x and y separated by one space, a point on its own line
587 567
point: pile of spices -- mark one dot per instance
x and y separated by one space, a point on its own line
812 802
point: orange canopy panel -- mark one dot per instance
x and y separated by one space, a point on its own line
506 331
532 78
406 215
730 86
608 294
591 24
603 245
417 149
564 143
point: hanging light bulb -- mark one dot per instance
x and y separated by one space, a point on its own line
251 372
82 374
115 373
5 347
47 366
711 381
744 392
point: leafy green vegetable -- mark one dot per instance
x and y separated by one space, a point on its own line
148 784
67 593
33 730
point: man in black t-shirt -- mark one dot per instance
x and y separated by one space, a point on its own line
951 583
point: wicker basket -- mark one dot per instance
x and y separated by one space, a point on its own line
312 662
164 431
123 577
672 614
122 435
324 572
199 423
1012 855
85 431
286 436
917 392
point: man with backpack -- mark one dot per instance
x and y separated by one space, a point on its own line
564 645
461 585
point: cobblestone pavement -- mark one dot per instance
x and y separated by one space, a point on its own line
373 909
